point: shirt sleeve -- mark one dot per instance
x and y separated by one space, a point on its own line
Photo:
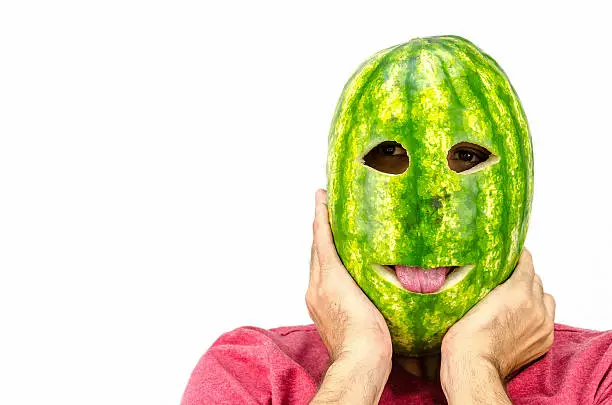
251 365
603 394
233 371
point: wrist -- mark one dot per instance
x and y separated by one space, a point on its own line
377 366
354 379
455 367
369 354
473 379
474 354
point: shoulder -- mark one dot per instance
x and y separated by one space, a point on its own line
567 329
576 367
288 345
251 365
292 341
579 341
255 335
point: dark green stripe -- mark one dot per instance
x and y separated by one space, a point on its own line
521 154
344 137
523 137
505 94
416 172
475 84
369 202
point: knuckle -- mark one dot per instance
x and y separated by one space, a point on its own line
537 279
309 298
316 294
550 339
544 319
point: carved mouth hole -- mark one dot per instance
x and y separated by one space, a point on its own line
457 274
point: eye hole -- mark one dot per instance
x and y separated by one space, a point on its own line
464 156
387 157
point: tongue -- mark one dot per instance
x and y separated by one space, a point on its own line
419 280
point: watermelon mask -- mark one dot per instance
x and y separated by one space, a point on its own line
430 182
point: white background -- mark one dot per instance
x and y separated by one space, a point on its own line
158 163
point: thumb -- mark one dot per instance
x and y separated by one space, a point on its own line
323 238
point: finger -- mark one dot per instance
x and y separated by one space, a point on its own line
538 287
549 303
524 269
537 279
311 312
314 265
526 262
323 239
314 261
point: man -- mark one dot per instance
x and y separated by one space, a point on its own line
505 350
430 176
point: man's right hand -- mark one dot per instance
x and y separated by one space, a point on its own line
351 327
511 327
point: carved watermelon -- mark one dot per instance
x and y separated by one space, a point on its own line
430 181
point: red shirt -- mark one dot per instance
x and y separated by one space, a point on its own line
285 366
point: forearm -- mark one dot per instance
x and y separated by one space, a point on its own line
472 382
353 381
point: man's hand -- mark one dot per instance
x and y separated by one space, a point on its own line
351 327
512 326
